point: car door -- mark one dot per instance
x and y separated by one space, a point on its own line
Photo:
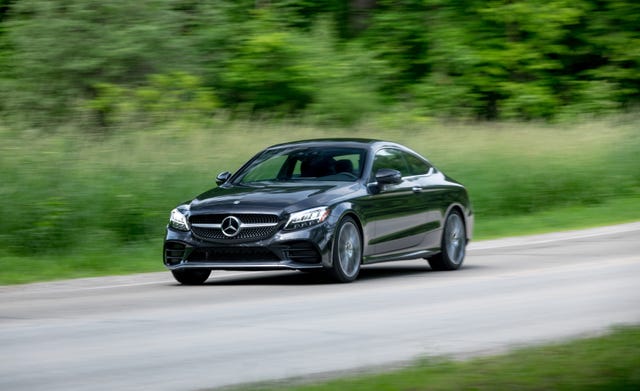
432 204
395 211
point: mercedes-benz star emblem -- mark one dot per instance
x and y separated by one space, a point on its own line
230 226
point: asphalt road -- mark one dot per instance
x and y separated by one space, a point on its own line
147 332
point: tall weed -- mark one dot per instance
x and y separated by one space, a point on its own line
67 190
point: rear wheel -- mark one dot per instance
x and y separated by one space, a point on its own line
347 251
191 276
454 242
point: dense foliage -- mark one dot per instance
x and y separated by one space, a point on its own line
331 60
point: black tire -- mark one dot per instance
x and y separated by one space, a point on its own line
453 245
347 251
191 276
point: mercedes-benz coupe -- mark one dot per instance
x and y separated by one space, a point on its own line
322 205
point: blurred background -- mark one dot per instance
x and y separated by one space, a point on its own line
112 113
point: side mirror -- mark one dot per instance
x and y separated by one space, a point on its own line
388 176
223 177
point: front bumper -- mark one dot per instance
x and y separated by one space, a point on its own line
308 248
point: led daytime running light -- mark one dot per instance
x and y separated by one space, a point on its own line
307 218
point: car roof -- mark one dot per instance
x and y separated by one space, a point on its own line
336 142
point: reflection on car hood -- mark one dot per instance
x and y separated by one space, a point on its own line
269 198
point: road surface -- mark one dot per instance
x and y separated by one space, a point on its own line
147 332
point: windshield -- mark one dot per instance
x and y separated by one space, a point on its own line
304 164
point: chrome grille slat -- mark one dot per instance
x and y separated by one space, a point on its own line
253 226
246 218
242 225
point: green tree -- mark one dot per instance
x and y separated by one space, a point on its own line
5 52
63 49
606 66
163 98
398 34
465 58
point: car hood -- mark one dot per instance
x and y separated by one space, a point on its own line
271 199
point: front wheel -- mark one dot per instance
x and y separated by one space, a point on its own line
191 276
347 251
453 244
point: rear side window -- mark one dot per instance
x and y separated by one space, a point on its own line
417 166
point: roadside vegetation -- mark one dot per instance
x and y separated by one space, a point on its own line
610 362
87 205
333 61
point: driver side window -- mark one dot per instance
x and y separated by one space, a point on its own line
390 158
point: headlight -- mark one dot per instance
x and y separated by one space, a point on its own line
178 220
307 218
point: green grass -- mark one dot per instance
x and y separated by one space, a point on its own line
77 204
145 256
611 211
610 362
84 262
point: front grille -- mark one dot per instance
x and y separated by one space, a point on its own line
232 254
246 233
173 253
246 218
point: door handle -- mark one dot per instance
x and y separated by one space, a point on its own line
416 189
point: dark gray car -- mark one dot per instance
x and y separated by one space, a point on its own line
331 205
